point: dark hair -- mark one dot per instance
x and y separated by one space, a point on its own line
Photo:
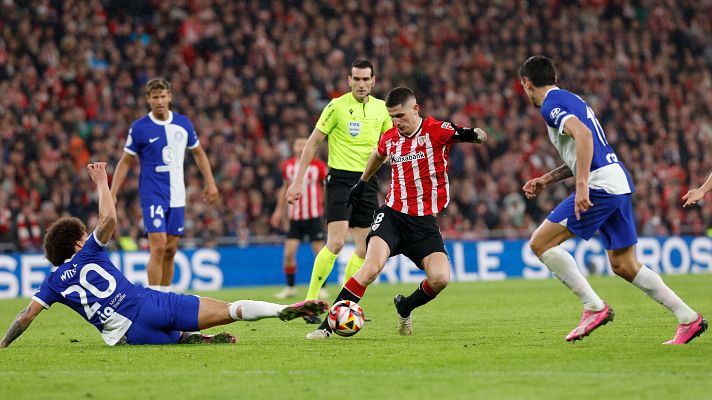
157 84
399 96
362 63
540 70
61 238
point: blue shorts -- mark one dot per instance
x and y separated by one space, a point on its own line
157 218
162 317
611 214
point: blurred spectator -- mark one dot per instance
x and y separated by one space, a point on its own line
253 75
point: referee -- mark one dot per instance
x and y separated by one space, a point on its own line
354 123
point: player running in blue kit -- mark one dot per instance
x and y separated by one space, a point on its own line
159 140
601 202
86 281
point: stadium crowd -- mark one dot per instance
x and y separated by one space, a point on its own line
253 75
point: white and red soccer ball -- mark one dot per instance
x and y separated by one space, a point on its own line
345 318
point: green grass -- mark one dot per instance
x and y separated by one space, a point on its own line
494 340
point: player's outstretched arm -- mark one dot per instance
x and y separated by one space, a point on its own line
695 195
294 192
120 172
469 135
210 193
21 323
107 209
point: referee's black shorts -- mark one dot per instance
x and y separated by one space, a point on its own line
338 185
414 237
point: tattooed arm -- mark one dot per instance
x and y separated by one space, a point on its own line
23 320
558 173
536 185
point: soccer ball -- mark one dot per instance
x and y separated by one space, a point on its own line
345 318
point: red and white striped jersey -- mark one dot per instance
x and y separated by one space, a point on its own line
311 204
419 182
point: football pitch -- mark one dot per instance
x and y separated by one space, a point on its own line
480 340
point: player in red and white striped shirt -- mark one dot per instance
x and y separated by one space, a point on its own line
418 150
305 215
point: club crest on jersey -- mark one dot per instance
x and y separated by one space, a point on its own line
375 226
421 140
354 128
156 222
179 136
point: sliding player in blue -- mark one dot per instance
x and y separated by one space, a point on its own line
602 202
88 282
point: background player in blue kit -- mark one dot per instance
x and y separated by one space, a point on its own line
86 281
601 202
159 140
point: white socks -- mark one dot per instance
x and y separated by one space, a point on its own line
563 266
254 310
652 284
160 288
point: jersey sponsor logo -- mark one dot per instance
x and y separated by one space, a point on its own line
151 140
129 140
554 113
446 125
354 128
406 158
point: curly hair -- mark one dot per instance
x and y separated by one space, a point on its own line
61 238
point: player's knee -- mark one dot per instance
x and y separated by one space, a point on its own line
438 282
623 269
335 245
538 245
159 248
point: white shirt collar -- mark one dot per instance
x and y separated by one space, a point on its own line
158 121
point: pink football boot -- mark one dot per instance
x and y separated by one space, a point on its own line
590 320
686 332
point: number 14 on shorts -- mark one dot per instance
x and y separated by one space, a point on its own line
156 210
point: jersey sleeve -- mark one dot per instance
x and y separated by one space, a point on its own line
45 295
131 146
382 151
327 120
192 135
555 114
93 245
